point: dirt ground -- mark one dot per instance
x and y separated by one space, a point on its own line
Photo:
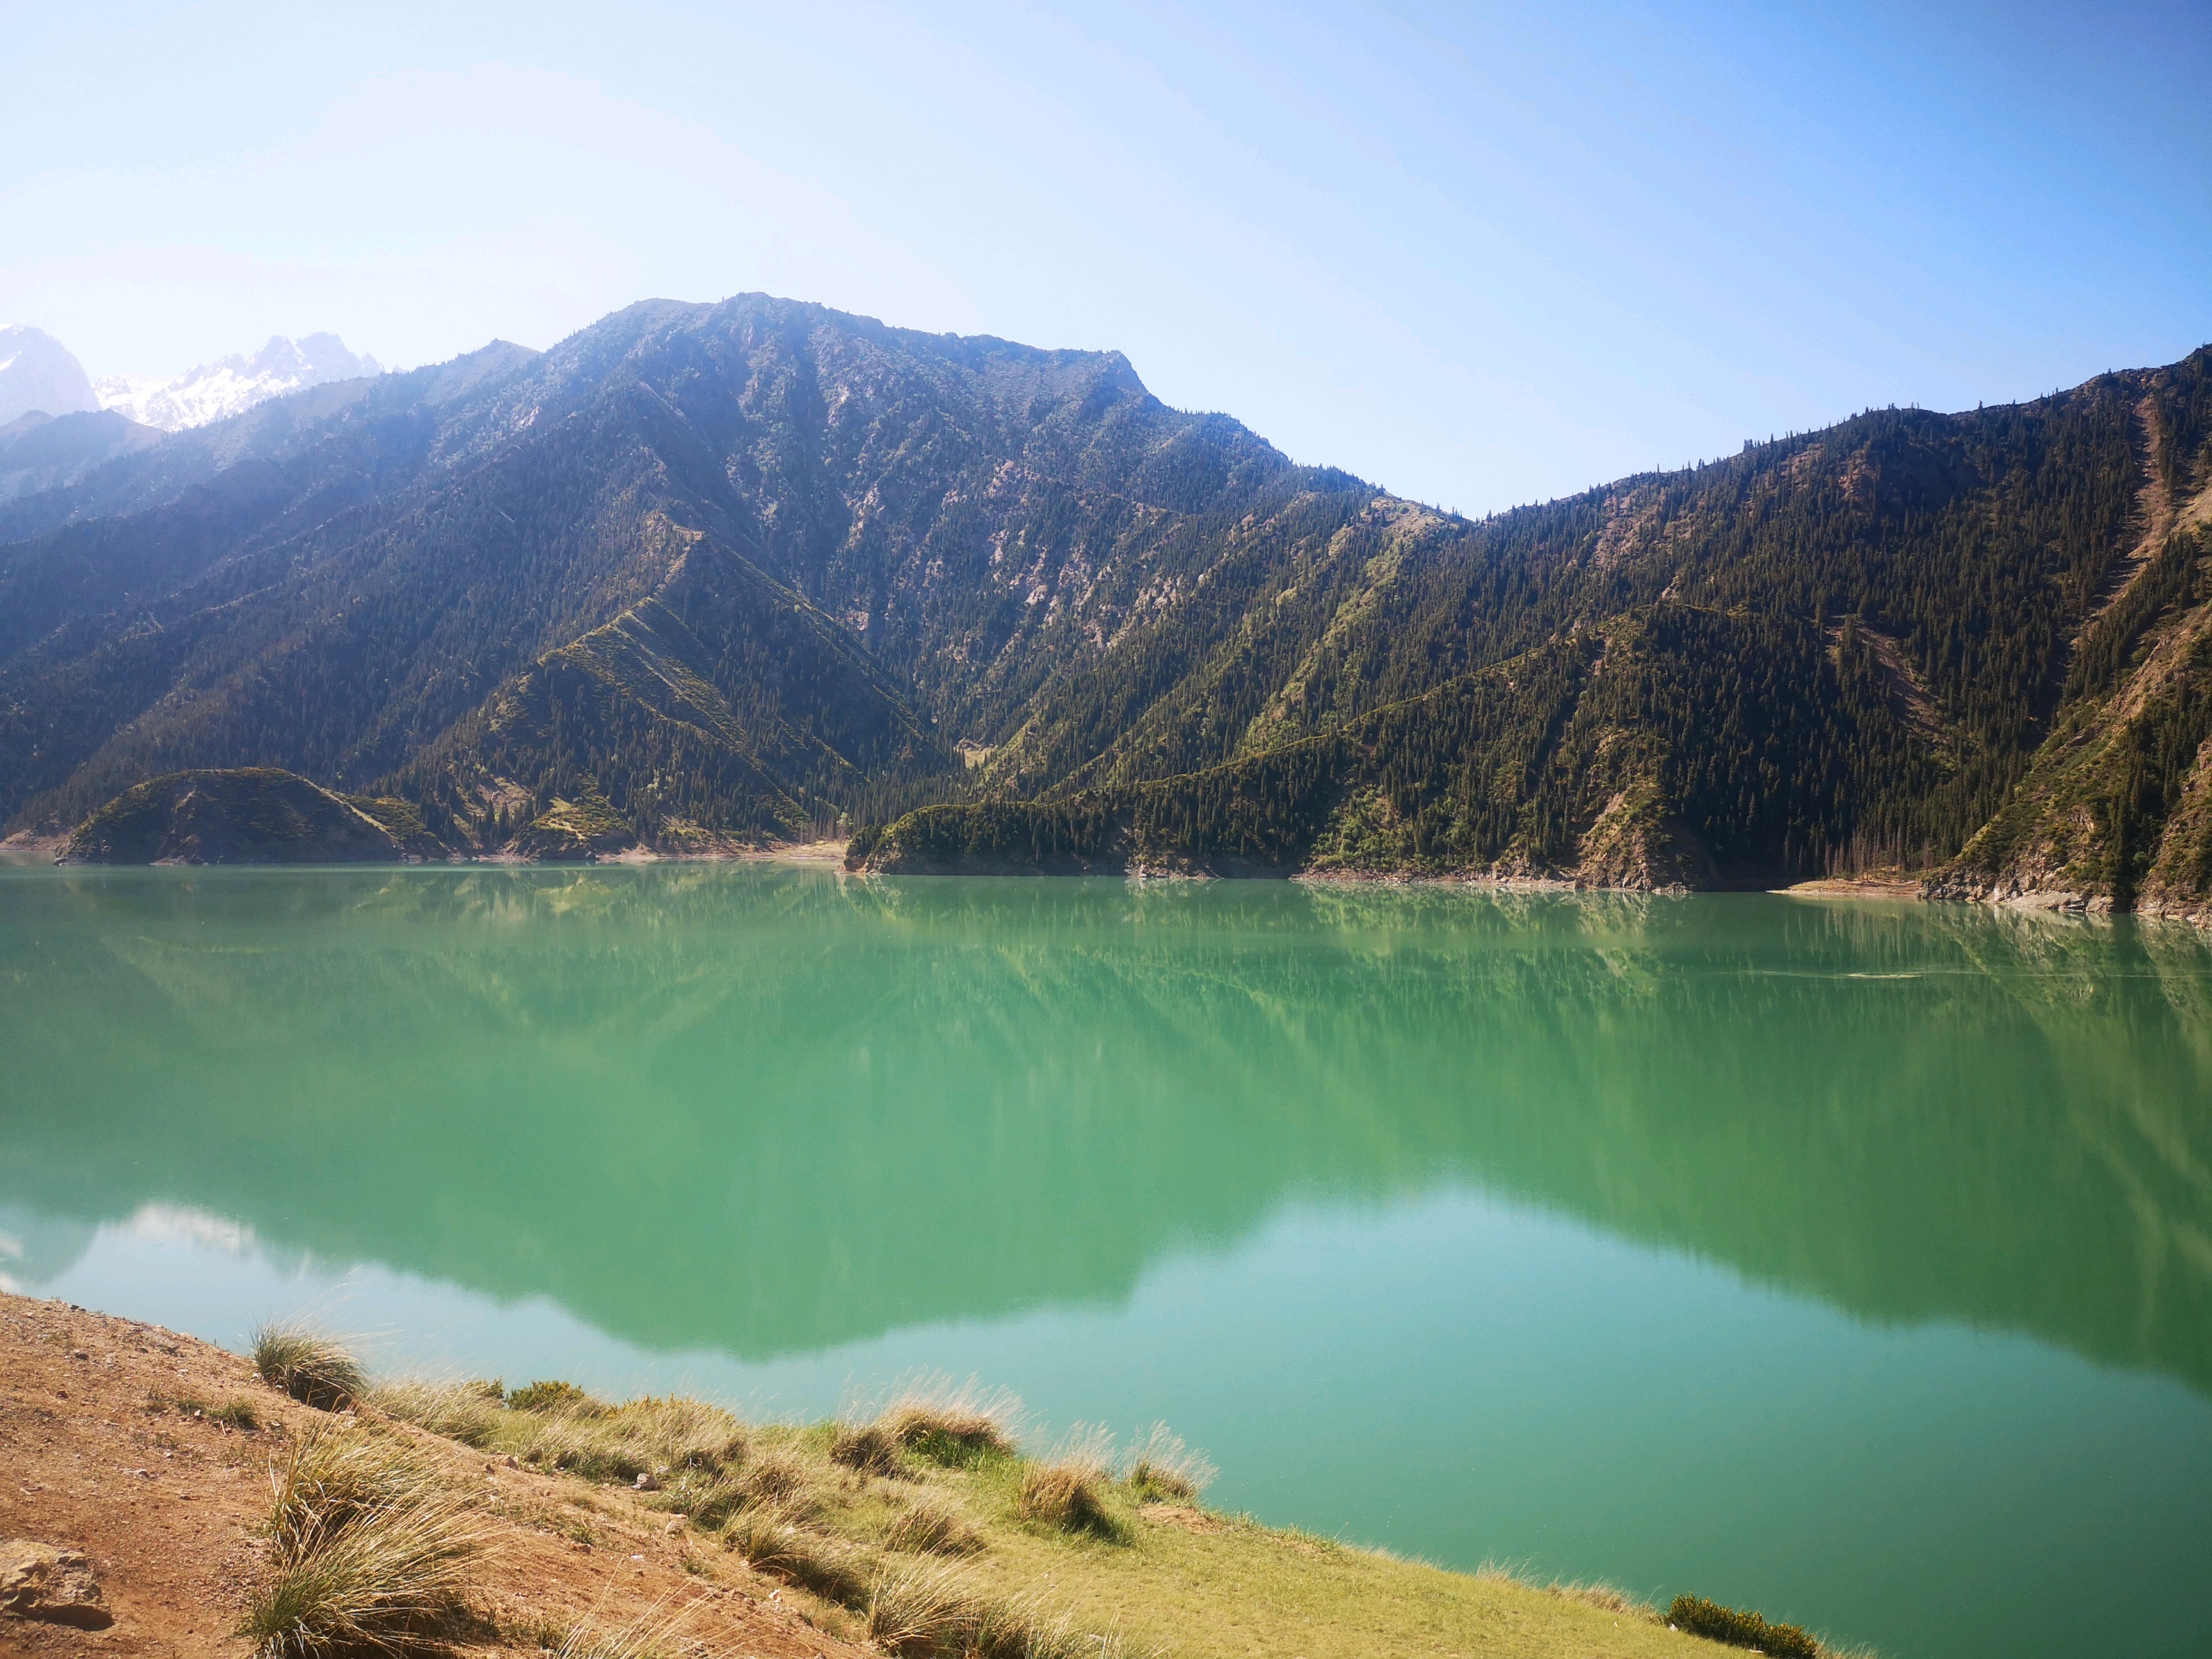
101 1451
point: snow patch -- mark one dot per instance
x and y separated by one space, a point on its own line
214 392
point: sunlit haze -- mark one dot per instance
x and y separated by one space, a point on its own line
1480 255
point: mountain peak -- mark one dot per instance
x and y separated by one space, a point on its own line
230 385
38 375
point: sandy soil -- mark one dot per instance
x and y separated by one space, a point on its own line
1875 885
96 1455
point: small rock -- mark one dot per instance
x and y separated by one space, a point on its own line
675 1524
646 1483
511 1463
55 1586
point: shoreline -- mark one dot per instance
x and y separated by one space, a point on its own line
24 850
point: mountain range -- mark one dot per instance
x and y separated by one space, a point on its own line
703 576
42 377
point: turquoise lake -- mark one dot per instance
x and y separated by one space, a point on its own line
1849 1261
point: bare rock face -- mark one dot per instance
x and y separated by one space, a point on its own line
54 1586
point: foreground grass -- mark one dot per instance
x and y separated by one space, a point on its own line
925 1529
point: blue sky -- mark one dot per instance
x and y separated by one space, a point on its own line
1479 254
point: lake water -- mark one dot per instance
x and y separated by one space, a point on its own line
1849 1261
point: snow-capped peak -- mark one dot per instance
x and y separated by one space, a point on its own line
224 387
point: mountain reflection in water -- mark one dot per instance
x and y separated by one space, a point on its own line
765 1110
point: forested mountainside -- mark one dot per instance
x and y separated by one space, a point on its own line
709 575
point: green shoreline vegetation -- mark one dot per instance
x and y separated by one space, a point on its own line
920 1525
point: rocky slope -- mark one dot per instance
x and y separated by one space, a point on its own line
2116 811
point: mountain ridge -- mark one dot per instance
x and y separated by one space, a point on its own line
756 567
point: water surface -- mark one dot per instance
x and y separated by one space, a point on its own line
1850 1260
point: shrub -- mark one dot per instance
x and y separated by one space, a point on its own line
368 1550
555 1395
314 1370
1715 1622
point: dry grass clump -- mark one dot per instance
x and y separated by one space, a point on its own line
830 1567
1069 1497
869 1446
467 1412
1067 1492
620 1442
368 1549
1161 1467
929 1526
778 1478
649 1635
954 1424
1610 1598
936 1613
315 1370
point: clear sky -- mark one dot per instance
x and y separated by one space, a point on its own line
1481 254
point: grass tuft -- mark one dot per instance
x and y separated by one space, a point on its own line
1715 1622
315 1370
1608 1598
830 1567
1161 1467
1069 1497
685 1442
870 1448
937 1613
649 1635
929 1526
460 1412
368 1550
955 1425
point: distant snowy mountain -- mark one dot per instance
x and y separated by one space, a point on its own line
218 389
37 373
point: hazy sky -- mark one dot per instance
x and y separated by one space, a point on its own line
1481 254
